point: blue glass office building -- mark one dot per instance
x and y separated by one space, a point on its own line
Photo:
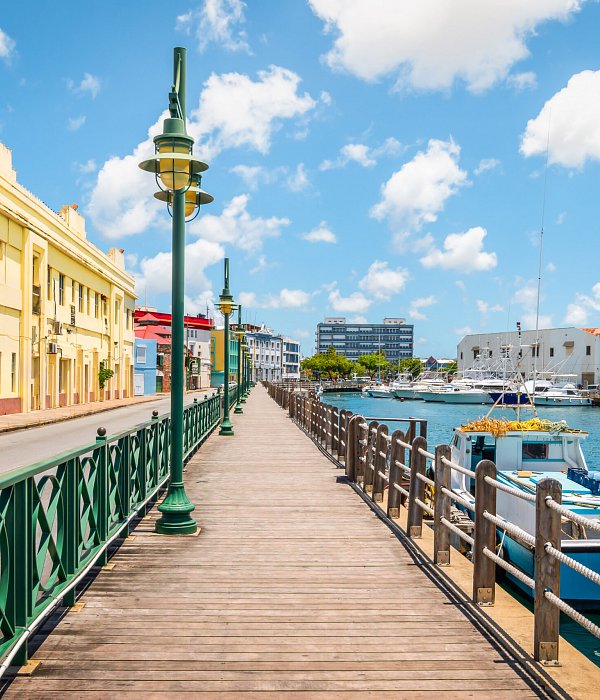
393 336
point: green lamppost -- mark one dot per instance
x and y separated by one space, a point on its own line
226 306
244 370
239 335
177 172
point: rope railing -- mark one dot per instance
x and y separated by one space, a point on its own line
400 465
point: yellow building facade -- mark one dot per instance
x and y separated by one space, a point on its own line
66 308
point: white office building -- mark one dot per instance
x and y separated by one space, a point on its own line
273 356
573 351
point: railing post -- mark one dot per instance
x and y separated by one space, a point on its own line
342 436
370 461
352 446
414 524
484 569
71 524
21 533
102 486
379 462
441 508
396 455
335 430
547 573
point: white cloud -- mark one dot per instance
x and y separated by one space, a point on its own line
420 303
551 267
322 234
233 112
382 282
261 265
89 83
485 307
561 218
88 167
298 180
7 46
154 274
354 303
486 164
252 175
430 44
362 154
236 225
462 251
522 81
285 299
416 193
577 313
217 21
526 297
75 123
573 115
463 330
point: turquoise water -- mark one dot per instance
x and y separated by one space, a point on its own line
442 418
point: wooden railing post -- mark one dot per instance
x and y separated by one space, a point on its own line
352 451
335 430
396 455
547 573
379 462
484 569
342 436
370 461
414 523
441 508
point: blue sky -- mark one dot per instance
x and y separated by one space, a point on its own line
368 158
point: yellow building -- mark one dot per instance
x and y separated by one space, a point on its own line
217 357
66 308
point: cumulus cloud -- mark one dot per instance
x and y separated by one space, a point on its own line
486 164
420 303
217 21
153 276
237 226
416 193
298 180
362 154
573 115
522 81
7 46
321 234
354 303
89 166
233 111
578 312
526 297
382 282
430 44
285 299
253 175
88 84
462 251
75 123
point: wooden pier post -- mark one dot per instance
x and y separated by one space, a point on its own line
416 491
396 474
379 463
441 508
484 569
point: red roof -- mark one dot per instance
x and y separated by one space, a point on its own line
593 331
157 318
149 333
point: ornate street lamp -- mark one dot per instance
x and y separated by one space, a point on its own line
177 172
244 370
239 335
226 305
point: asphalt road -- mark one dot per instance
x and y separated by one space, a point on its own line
25 447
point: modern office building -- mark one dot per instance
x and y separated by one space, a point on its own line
574 351
66 308
394 337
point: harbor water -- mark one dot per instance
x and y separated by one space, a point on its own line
443 418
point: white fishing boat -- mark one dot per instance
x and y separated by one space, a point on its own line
457 395
427 381
379 391
524 454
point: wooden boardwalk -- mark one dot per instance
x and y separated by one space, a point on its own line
293 586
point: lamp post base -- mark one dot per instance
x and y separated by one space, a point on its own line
238 409
226 427
176 509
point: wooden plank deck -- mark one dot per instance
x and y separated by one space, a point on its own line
292 586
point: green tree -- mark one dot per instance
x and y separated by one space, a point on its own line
374 363
412 365
452 367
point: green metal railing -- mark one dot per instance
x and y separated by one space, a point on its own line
58 517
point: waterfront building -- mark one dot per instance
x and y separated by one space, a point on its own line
66 308
274 357
290 359
394 337
217 356
568 350
157 325
144 369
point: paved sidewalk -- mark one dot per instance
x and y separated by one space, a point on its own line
19 421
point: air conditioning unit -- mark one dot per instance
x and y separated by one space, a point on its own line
56 327
52 348
72 314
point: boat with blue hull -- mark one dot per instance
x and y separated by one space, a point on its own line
525 453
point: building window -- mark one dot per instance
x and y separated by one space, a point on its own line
61 289
87 301
96 305
140 355
80 298
73 283
49 283
128 319
551 352
13 371
117 310
588 349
